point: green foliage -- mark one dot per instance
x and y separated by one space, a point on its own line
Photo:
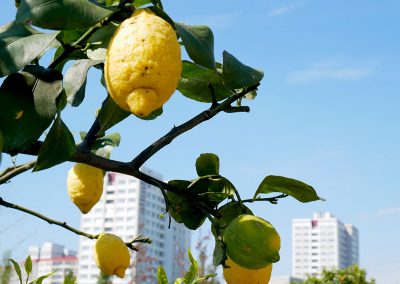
61 14
297 189
350 275
20 44
192 276
58 146
28 270
207 164
75 80
5 268
199 44
104 278
236 75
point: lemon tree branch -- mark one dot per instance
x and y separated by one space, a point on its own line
273 200
47 219
125 168
188 125
11 172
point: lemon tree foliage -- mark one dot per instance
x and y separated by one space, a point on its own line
137 47
350 275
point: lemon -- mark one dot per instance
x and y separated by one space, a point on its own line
111 255
236 274
85 186
143 63
251 242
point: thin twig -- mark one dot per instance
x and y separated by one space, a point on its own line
47 219
11 172
273 200
188 125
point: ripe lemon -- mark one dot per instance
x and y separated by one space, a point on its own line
85 186
239 275
251 242
111 255
143 63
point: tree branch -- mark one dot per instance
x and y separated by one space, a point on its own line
125 168
48 220
273 200
11 172
178 130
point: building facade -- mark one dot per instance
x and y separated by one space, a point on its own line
322 242
50 258
129 207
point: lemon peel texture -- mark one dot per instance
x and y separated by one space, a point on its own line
111 255
252 242
236 274
143 63
85 186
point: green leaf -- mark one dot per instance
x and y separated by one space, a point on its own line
237 75
219 254
58 146
19 45
297 189
161 276
110 114
139 3
28 265
104 145
182 210
46 89
1 145
192 275
199 44
200 83
99 42
17 269
207 164
41 278
153 115
213 189
75 80
61 14
20 123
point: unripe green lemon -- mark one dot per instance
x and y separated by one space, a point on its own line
236 274
111 255
143 63
251 242
85 186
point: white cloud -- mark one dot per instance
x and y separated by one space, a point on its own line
388 211
285 9
336 71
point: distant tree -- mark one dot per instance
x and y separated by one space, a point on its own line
104 278
350 275
5 268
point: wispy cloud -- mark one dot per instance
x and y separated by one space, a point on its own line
380 213
388 211
285 9
336 71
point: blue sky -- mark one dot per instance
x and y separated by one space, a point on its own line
326 113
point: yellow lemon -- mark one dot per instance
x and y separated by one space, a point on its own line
143 63
85 186
239 275
111 255
251 242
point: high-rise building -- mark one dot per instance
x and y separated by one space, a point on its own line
50 258
127 208
322 242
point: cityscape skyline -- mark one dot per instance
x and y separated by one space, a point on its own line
326 113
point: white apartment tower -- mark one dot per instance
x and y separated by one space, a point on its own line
127 208
49 258
322 242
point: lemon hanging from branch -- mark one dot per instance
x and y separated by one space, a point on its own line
143 63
